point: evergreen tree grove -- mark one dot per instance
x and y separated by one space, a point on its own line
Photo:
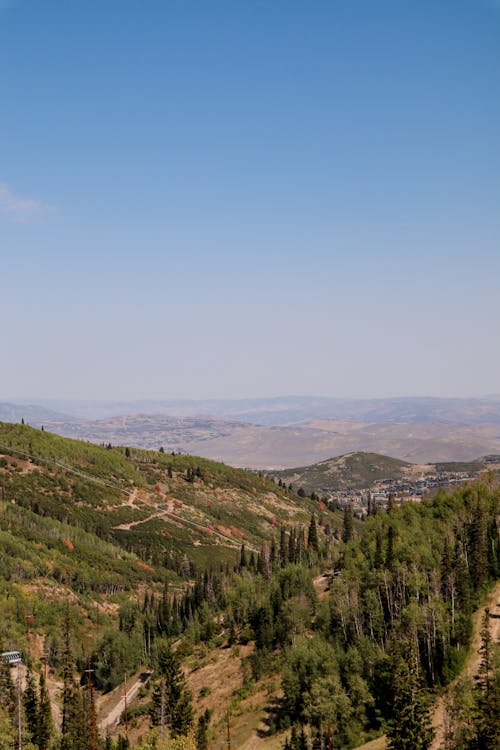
410 727
171 699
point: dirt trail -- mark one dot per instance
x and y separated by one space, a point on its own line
113 705
180 520
322 584
471 667
131 524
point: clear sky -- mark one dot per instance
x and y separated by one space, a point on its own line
230 198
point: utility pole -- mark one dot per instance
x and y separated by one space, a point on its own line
19 710
92 722
228 731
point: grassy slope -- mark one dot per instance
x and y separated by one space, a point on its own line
88 524
143 501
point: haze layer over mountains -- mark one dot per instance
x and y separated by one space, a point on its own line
279 432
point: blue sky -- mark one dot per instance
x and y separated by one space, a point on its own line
244 198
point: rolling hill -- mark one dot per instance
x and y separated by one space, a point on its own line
359 471
352 471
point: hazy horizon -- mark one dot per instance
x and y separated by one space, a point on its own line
249 397
210 200
34 400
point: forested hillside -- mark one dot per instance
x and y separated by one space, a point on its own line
313 626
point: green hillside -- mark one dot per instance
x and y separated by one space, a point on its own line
256 607
353 471
102 522
156 505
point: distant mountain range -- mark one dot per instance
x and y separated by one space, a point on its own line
287 410
282 432
33 414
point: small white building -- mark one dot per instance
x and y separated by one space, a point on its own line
11 657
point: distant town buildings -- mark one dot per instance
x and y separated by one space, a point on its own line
401 490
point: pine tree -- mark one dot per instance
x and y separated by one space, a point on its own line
73 726
378 561
292 547
410 727
479 545
283 551
312 536
347 524
487 719
272 554
75 734
182 715
30 703
263 627
7 690
389 556
45 725
171 698
7 732
201 731
67 669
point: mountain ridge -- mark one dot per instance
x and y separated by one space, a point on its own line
286 410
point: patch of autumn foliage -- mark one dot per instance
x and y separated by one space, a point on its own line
69 544
144 566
